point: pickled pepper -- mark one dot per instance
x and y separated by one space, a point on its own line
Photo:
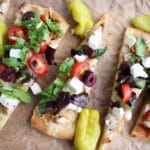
82 16
142 22
87 130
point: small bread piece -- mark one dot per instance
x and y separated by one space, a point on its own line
62 125
140 131
54 40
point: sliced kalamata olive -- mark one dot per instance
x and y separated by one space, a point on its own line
125 67
63 99
130 103
50 56
28 15
75 52
130 81
80 100
89 78
51 106
115 104
9 74
118 90
122 78
89 51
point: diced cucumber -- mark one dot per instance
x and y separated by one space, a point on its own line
141 83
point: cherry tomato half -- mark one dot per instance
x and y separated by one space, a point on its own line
17 31
43 46
126 92
79 69
146 117
42 17
38 64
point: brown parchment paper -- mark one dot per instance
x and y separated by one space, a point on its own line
18 134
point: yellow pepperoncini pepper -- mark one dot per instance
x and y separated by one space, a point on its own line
87 130
82 16
142 22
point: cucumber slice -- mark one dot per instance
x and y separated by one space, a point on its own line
3 37
142 22
141 83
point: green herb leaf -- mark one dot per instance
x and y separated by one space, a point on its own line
54 26
13 62
132 58
23 53
51 93
140 46
100 52
14 92
66 65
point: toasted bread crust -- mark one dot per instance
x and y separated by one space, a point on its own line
141 132
47 124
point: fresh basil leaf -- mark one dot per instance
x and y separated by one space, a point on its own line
23 53
51 93
20 43
100 52
66 65
13 62
54 26
132 58
14 92
140 46
37 31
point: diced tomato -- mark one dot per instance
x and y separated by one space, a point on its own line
79 69
17 31
42 17
2 68
145 118
133 51
38 64
126 92
43 46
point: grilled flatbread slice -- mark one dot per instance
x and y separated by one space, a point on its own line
131 80
8 104
62 124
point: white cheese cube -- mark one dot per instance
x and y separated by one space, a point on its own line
14 53
80 58
137 70
118 112
95 39
7 102
74 85
129 40
35 88
128 115
146 62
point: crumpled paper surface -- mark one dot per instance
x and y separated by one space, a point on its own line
18 134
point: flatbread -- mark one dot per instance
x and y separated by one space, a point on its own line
66 130
113 121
